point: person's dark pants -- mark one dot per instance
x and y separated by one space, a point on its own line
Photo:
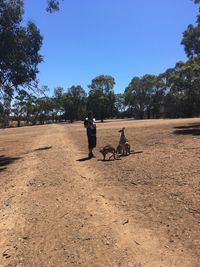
92 141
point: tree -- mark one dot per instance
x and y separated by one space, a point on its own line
191 38
5 109
58 102
20 106
120 104
157 96
43 110
144 96
53 5
101 98
183 82
74 103
136 97
19 48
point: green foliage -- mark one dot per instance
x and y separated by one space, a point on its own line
191 38
19 48
101 98
183 82
74 103
5 109
120 104
191 41
144 96
53 6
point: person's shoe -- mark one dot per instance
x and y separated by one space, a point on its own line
90 155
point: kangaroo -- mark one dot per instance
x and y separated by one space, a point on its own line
124 147
122 139
108 149
127 148
119 149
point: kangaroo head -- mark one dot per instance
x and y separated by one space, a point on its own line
122 130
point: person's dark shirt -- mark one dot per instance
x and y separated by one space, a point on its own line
90 124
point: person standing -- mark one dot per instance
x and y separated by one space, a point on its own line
90 125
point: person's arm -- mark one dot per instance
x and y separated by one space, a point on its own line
94 123
86 124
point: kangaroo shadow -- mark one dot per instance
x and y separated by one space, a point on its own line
131 153
191 129
4 161
119 157
136 152
109 160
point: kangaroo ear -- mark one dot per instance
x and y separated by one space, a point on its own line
123 128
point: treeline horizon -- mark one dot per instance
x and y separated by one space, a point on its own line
174 93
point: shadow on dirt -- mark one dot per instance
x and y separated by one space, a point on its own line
191 129
131 153
136 152
43 148
84 159
109 160
119 157
4 161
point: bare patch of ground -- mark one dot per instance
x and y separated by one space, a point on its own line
58 209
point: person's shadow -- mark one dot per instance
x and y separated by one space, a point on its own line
84 159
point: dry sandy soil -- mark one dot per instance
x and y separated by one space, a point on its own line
59 209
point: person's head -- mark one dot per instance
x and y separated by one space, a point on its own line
90 114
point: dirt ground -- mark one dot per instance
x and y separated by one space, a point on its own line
59 209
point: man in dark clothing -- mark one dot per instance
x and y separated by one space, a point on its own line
90 125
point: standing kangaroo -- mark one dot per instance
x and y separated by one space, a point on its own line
124 147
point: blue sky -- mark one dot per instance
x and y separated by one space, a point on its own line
122 38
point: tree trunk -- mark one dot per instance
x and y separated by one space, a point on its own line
18 122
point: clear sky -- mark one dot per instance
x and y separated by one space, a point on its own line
122 38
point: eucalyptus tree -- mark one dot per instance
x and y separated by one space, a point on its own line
19 48
58 103
74 103
20 106
43 110
53 5
136 97
183 82
144 96
120 104
157 91
191 37
5 109
101 97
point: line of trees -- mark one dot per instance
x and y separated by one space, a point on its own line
174 93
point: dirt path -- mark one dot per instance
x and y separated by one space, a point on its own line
59 210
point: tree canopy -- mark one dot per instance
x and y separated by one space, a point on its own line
19 48
101 97
191 37
53 5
